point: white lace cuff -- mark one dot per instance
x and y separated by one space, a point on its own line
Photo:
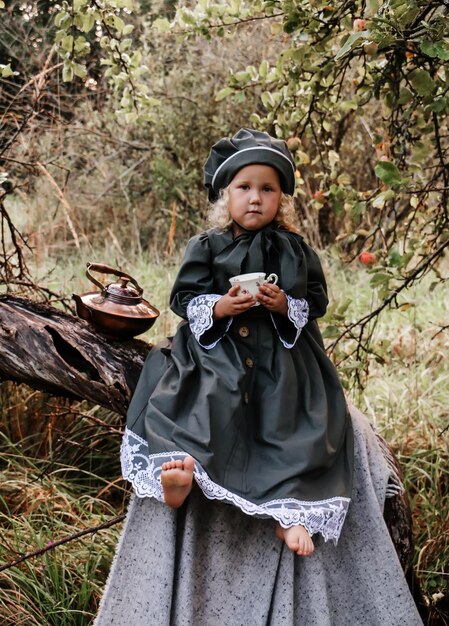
200 315
298 314
143 470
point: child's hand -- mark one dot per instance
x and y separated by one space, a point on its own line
273 298
232 304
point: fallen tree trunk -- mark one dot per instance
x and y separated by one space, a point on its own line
55 352
58 353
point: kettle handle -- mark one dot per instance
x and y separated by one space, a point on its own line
107 269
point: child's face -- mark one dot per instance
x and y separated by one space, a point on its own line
254 197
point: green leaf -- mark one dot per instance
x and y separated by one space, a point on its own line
81 45
291 24
344 306
87 22
255 119
439 49
394 258
420 152
267 99
186 17
263 68
252 72
380 278
388 172
161 24
422 82
62 19
344 179
67 43
406 14
240 97
348 105
126 44
390 100
223 93
6 70
117 23
80 70
350 41
242 76
405 96
67 73
428 47
128 29
358 209
381 199
438 105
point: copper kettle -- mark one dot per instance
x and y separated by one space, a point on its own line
118 311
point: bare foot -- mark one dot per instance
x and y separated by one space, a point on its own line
297 539
176 479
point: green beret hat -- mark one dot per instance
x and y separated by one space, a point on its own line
247 147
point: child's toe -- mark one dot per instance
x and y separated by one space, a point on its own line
279 532
293 542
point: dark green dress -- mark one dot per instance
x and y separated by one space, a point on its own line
254 399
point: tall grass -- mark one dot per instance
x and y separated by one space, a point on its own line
406 396
59 461
60 478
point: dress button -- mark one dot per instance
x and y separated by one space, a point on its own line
249 362
244 331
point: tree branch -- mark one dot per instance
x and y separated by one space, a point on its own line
54 544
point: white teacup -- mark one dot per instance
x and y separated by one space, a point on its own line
250 283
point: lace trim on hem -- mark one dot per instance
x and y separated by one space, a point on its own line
143 470
200 316
298 314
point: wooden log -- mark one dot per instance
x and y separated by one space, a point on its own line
61 354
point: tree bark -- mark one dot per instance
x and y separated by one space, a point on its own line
58 353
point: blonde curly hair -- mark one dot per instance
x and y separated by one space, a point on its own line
286 218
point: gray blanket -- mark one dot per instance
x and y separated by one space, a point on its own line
208 564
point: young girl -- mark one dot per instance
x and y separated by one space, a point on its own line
244 401
244 405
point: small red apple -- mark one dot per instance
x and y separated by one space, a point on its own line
294 143
319 197
358 25
367 258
